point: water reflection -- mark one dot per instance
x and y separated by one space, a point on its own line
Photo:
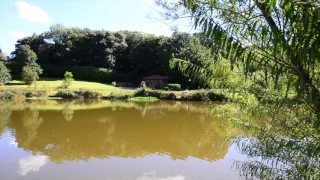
32 163
152 176
5 113
72 131
283 143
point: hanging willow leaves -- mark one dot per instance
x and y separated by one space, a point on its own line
281 35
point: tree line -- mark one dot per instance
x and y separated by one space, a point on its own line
130 55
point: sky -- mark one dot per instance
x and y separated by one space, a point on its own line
20 18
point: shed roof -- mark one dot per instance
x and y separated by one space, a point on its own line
156 77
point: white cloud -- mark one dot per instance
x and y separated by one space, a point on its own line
17 35
31 12
32 163
152 176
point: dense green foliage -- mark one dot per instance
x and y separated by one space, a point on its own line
22 94
28 75
87 73
9 95
82 94
26 57
172 87
5 75
274 46
133 55
67 80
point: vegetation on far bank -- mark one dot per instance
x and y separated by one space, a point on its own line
51 88
143 99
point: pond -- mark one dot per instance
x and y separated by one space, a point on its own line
110 140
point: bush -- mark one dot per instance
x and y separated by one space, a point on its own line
114 96
86 73
67 94
172 87
86 94
12 95
28 76
140 92
68 79
7 95
29 93
205 95
89 94
5 75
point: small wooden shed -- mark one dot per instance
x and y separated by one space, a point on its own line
156 81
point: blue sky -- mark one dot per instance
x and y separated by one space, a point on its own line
19 18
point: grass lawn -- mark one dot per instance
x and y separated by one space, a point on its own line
52 85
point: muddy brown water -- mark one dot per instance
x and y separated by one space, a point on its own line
111 140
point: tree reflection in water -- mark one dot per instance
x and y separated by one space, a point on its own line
122 129
282 142
5 114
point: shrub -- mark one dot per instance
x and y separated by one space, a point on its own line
12 95
86 94
172 87
89 94
28 76
205 95
29 93
67 94
5 75
114 96
140 92
7 95
68 79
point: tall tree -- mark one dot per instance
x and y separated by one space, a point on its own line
26 57
5 75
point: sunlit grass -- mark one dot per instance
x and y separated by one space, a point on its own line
53 84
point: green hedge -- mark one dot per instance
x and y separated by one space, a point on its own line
172 87
85 94
86 73
205 95
140 92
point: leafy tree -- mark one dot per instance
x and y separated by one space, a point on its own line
279 37
68 79
26 57
28 75
5 75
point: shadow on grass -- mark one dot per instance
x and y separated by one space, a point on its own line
15 83
50 79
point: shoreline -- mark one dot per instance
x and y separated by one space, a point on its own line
194 95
